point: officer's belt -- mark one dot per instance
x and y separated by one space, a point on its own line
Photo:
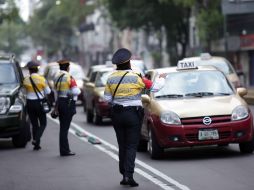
117 107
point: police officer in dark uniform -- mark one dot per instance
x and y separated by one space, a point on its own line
67 92
34 95
123 92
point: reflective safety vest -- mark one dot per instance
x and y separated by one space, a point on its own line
129 90
66 85
40 83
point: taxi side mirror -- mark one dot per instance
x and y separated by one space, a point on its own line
90 85
86 80
145 99
241 91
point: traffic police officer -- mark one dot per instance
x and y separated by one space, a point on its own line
34 109
123 92
67 92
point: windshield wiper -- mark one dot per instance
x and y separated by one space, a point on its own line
222 94
170 96
200 94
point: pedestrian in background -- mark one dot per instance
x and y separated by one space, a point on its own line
123 91
37 89
67 93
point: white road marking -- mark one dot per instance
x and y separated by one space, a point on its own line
138 162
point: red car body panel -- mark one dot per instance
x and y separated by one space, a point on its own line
187 132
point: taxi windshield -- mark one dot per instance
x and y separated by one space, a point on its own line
195 84
224 66
7 74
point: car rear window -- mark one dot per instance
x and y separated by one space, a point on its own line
7 74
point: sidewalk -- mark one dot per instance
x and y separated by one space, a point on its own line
249 98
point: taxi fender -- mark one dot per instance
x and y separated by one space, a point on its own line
151 125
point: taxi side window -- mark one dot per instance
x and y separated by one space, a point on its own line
148 76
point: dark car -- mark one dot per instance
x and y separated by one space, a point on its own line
14 121
96 107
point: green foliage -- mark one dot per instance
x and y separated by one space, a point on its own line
52 26
11 35
210 22
173 15
153 15
12 29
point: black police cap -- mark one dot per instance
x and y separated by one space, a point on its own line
121 56
63 62
32 64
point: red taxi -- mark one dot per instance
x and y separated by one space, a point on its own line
198 105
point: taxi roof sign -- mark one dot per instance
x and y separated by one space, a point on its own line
205 56
186 64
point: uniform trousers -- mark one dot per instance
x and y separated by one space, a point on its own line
37 118
127 123
66 110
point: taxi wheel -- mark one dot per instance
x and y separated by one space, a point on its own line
89 116
84 105
247 147
97 119
142 146
23 137
153 147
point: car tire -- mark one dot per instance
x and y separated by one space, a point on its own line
97 119
89 116
142 146
223 145
153 147
23 137
247 147
84 106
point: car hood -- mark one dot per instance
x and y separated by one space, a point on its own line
206 106
8 89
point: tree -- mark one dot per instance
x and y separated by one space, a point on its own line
53 26
153 15
209 22
209 19
12 29
174 16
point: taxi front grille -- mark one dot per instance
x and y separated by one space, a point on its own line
194 137
199 120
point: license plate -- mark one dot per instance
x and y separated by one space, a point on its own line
208 134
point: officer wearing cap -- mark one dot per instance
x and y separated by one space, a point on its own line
37 116
67 92
123 92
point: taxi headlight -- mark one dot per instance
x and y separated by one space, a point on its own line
240 112
4 104
170 118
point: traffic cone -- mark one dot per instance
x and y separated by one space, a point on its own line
93 140
81 134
